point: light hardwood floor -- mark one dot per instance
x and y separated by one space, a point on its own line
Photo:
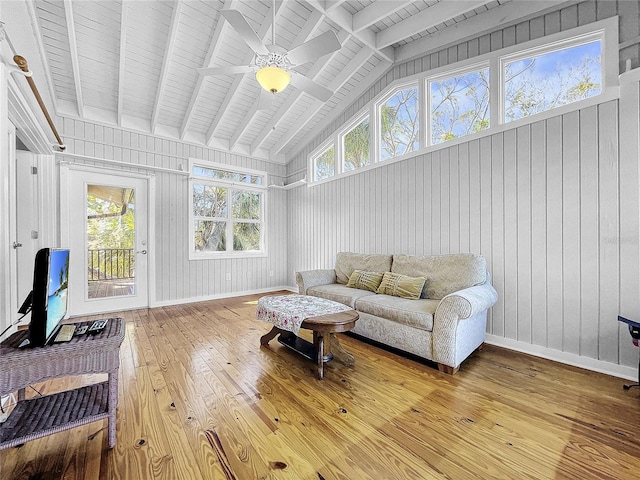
200 399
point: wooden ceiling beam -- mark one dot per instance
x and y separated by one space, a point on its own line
214 47
513 12
262 33
377 11
168 50
341 17
75 62
427 18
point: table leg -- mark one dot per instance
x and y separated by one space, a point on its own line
339 352
318 343
113 402
267 337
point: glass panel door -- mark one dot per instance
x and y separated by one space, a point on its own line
104 222
111 233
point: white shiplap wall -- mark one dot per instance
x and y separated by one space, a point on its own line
177 278
543 203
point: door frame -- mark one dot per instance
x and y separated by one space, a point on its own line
65 228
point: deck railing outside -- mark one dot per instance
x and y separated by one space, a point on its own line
111 263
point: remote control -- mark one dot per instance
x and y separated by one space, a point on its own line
97 326
65 333
81 330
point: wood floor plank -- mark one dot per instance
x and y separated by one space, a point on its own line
199 398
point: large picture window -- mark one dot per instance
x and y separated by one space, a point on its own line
227 212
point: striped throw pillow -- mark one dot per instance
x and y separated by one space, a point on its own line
365 280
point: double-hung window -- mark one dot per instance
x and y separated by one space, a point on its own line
227 210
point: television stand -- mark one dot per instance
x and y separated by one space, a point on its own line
84 354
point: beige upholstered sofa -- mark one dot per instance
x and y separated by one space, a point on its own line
445 324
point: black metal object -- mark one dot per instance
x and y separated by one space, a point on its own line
634 330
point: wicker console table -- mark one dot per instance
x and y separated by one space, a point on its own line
41 416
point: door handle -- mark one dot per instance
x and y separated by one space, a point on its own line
144 252
16 245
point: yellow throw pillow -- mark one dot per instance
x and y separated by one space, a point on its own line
365 280
401 285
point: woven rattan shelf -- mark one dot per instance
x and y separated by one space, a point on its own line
21 367
42 416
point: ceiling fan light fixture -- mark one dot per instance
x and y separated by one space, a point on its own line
273 79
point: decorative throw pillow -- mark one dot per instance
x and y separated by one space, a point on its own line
401 285
365 280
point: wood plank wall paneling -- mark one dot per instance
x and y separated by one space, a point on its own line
178 278
551 205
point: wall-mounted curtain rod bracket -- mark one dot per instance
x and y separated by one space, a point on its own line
22 63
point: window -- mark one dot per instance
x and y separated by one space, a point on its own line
356 146
324 165
459 105
479 96
227 211
536 83
399 125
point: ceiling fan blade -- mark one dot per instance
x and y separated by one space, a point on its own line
231 70
265 101
315 48
240 25
312 88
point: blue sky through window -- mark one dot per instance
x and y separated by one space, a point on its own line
549 80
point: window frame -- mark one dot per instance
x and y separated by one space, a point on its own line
604 30
550 47
355 122
470 68
230 187
317 153
376 144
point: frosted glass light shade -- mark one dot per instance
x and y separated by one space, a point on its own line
273 79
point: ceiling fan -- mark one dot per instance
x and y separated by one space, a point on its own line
275 66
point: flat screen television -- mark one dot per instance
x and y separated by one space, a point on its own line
49 295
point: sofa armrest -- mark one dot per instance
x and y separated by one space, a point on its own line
449 321
466 303
313 278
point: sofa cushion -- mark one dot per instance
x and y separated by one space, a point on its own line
445 274
339 293
401 285
347 262
414 313
365 280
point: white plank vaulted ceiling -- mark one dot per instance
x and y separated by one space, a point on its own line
133 63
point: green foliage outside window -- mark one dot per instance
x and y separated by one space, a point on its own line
356 147
324 164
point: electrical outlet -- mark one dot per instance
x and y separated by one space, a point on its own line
227 276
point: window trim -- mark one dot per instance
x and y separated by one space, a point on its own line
551 47
357 120
230 186
317 153
376 144
606 30
473 67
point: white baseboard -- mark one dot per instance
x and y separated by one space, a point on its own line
621 371
180 301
